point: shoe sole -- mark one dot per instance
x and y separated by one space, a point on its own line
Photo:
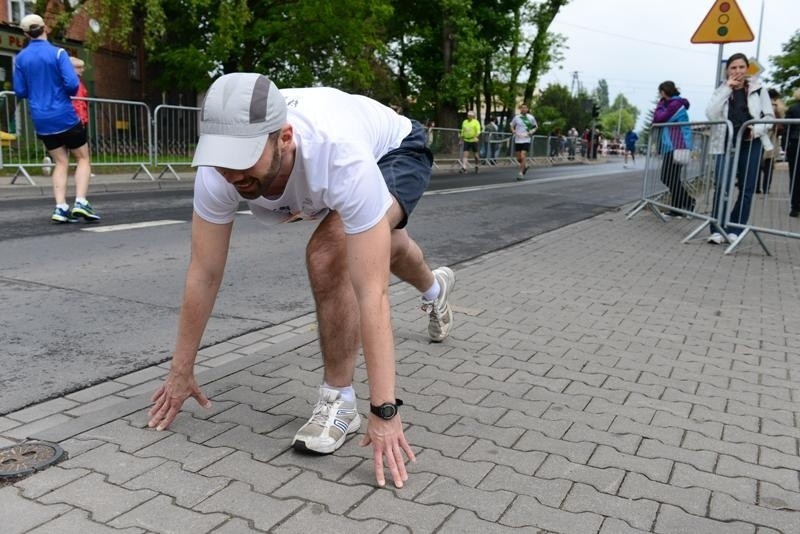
88 217
62 220
300 445
451 278
444 335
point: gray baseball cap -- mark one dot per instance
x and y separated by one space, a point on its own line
239 112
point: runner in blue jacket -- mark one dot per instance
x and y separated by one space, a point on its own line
45 76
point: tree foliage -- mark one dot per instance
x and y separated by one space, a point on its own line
601 94
570 109
434 59
619 117
544 47
787 65
189 42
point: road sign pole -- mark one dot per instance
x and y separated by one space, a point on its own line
760 25
718 79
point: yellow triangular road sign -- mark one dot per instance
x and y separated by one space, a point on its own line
755 68
724 23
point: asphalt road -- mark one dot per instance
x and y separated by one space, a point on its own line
78 306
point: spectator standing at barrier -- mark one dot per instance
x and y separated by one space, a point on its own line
470 139
555 143
287 155
586 145
630 146
429 129
490 129
45 76
572 141
81 106
793 154
523 126
769 156
596 141
675 143
739 99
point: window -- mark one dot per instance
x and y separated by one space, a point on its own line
20 8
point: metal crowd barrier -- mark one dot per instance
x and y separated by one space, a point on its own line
19 146
448 150
126 133
496 148
119 135
175 134
678 186
767 213
721 189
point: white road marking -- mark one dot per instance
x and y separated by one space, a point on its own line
131 226
528 181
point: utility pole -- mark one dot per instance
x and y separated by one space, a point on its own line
576 82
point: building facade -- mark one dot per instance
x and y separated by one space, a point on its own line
111 72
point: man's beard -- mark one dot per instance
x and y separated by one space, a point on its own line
266 181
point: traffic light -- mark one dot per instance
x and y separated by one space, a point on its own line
595 110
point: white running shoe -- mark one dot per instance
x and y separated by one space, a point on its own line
439 310
332 420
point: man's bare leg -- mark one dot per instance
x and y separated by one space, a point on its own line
83 170
408 262
60 158
335 299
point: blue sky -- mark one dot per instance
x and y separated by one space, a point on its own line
636 44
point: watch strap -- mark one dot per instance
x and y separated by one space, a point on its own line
377 410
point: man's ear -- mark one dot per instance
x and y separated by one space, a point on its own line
286 136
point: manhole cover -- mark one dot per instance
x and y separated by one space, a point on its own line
28 457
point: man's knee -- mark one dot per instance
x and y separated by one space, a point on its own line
326 258
400 245
81 153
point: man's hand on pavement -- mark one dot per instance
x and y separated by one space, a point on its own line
388 442
169 398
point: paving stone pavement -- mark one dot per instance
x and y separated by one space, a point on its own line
601 378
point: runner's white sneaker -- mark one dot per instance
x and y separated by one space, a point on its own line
439 310
332 420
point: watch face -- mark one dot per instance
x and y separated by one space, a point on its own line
388 411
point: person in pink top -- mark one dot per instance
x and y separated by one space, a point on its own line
81 106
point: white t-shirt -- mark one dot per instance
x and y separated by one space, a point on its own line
340 138
522 130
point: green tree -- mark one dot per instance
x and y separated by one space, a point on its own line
619 117
787 65
535 54
601 94
431 58
644 135
549 119
297 43
438 55
464 53
571 111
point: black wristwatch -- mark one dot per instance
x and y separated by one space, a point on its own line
387 410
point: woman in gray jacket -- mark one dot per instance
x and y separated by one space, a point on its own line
739 99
